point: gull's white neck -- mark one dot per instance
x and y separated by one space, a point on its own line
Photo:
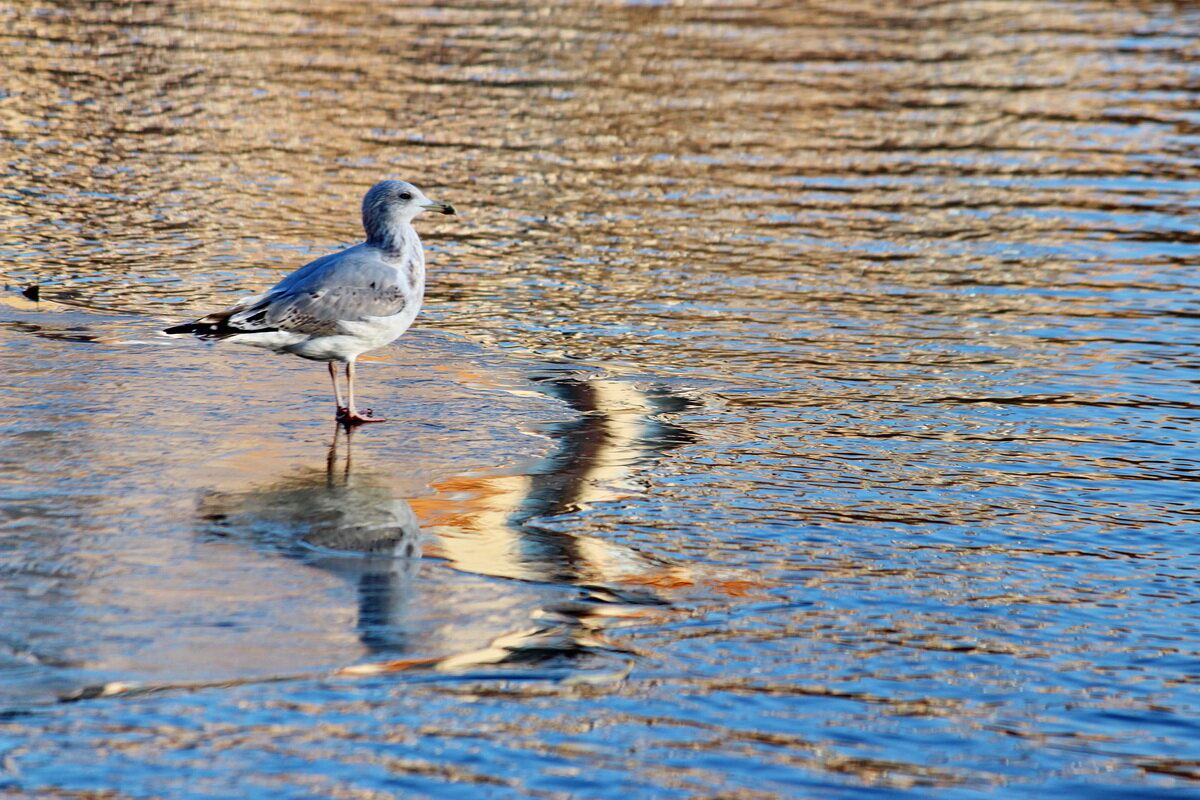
397 240
401 248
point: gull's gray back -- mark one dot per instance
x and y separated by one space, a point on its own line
349 286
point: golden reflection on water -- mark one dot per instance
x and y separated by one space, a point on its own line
184 151
488 523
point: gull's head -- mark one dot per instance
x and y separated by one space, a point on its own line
392 203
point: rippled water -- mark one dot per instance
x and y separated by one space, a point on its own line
804 405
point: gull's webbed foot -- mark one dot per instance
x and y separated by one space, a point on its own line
349 416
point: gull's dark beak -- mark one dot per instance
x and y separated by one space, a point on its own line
444 208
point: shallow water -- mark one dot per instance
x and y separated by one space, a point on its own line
803 407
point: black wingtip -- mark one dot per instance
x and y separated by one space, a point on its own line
213 330
205 330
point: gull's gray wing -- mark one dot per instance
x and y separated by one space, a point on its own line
343 287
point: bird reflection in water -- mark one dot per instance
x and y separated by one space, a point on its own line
344 521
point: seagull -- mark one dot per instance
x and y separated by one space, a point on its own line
340 306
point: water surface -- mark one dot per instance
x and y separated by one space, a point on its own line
803 407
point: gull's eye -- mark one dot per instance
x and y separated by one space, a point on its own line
405 196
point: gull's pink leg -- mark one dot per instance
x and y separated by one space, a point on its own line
351 416
337 390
